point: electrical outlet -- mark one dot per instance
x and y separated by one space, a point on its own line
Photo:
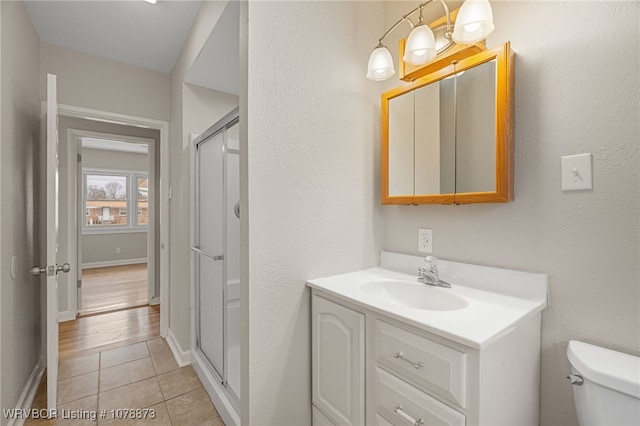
118 250
425 240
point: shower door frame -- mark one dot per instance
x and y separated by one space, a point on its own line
226 122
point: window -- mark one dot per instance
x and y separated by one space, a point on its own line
142 194
110 196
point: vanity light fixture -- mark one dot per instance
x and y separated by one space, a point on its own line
473 24
152 1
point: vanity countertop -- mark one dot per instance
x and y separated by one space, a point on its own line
498 300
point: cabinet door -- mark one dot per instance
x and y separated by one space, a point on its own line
338 361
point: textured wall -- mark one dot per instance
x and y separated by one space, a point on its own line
312 182
577 91
19 152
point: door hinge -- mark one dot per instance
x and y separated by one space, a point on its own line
79 283
79 158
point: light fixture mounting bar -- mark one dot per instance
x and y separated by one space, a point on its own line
406 18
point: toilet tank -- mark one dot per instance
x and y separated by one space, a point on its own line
610 392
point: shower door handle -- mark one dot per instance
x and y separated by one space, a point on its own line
207 255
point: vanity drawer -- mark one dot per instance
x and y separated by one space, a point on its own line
399 403
430 366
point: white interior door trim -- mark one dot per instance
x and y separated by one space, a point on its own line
75 205
163 193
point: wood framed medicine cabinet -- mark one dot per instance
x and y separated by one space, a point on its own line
447 137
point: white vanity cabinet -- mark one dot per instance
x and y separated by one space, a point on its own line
370 368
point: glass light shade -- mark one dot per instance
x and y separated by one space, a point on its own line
474 22
380 64
421 46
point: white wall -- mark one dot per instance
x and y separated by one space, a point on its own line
203 107
19 154
577 91
311 177
193 110
114 160
101 249
104 84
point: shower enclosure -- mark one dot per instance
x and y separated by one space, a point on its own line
215 255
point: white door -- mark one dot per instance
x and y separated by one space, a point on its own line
50 240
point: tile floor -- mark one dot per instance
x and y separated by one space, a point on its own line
144 375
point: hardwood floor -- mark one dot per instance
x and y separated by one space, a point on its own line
114 287
91 334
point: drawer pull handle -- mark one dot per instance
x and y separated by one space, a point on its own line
416 365
400 411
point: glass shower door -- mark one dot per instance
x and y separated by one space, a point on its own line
209 252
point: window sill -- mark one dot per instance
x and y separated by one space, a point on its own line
104 231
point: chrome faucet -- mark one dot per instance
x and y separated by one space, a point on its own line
429 275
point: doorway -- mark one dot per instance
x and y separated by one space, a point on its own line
115 223
76 122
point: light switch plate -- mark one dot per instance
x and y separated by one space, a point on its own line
425 240
576 172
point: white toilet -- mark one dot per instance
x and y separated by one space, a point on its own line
606 385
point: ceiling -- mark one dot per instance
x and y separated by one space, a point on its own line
130 31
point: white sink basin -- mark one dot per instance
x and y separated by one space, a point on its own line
414 295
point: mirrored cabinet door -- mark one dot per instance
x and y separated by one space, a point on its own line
475 91
434 155
401 154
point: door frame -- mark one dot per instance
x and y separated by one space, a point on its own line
75 221
162 195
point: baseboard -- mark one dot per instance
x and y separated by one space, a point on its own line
28 394
182 357
119 262
66 316
216 392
